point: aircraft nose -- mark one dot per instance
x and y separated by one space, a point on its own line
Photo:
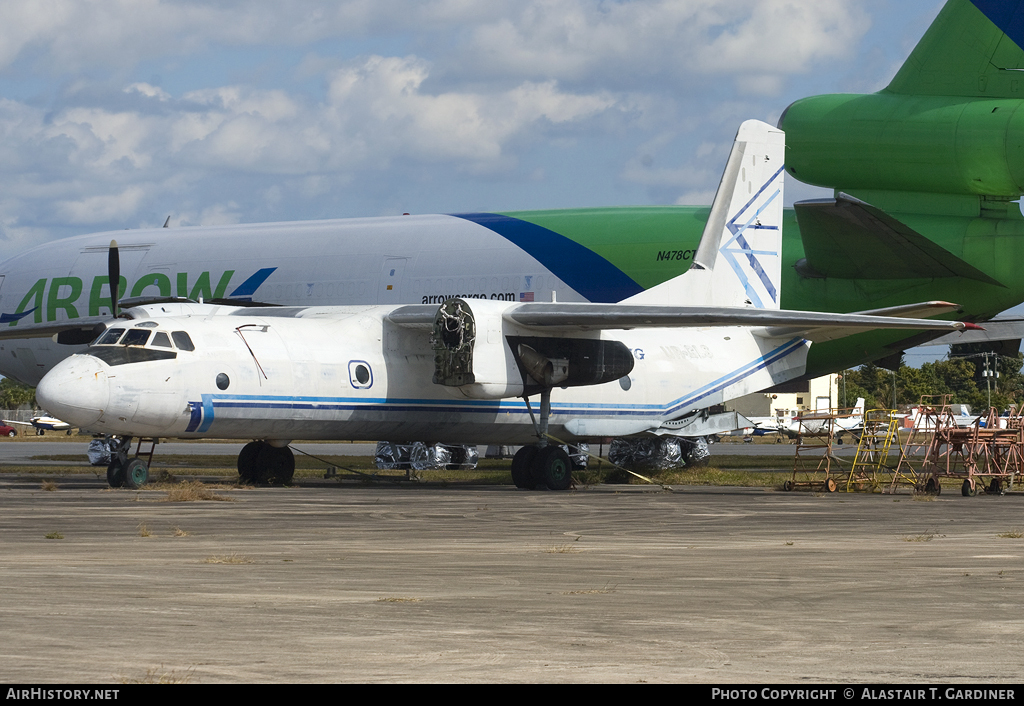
76 390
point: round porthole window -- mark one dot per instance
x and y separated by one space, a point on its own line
625 383
223 381
360 374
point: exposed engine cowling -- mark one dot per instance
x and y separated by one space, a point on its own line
483 356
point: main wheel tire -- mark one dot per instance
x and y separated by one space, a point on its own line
12 433
275 466
932 486
522 467
136 473
995 487
554 467
247 459
115 474
969 489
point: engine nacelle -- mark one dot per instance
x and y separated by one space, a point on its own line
886 141
484 356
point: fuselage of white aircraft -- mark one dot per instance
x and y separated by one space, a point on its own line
353 373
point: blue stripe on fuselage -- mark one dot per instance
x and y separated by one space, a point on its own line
584 270
396 405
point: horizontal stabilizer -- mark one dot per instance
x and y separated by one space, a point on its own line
846 238
973 49
1008 329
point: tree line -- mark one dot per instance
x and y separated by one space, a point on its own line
962 376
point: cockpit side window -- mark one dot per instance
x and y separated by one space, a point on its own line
110 337
161 340
183 341
135 337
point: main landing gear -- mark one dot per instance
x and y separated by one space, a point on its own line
542 464
260 463
534 466
124 472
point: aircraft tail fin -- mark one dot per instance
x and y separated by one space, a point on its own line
739 259
974 48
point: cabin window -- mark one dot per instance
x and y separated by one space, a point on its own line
359 374
161 339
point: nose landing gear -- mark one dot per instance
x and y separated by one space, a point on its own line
124 472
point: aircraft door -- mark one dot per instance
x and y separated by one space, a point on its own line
391 277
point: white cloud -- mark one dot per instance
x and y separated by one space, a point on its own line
104 207
637 42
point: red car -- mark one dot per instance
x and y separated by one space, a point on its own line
7 431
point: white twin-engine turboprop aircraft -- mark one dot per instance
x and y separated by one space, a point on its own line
463 372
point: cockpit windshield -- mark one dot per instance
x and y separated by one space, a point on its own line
135 337
140 343
145 337
110 337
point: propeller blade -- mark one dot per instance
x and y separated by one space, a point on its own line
114 275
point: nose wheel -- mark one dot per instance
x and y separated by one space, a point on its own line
125 472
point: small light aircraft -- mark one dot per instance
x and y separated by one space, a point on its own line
793 426
463 371
43 423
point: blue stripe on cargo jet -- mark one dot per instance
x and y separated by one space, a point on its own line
1007 15
249 286
581 268
11 318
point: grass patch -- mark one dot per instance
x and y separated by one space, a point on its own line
179 532
399 599
144 531
49 485
159 675
55 535
1012 534
190 491
563 549
229 559
715 475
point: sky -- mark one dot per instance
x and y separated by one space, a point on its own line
119 113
